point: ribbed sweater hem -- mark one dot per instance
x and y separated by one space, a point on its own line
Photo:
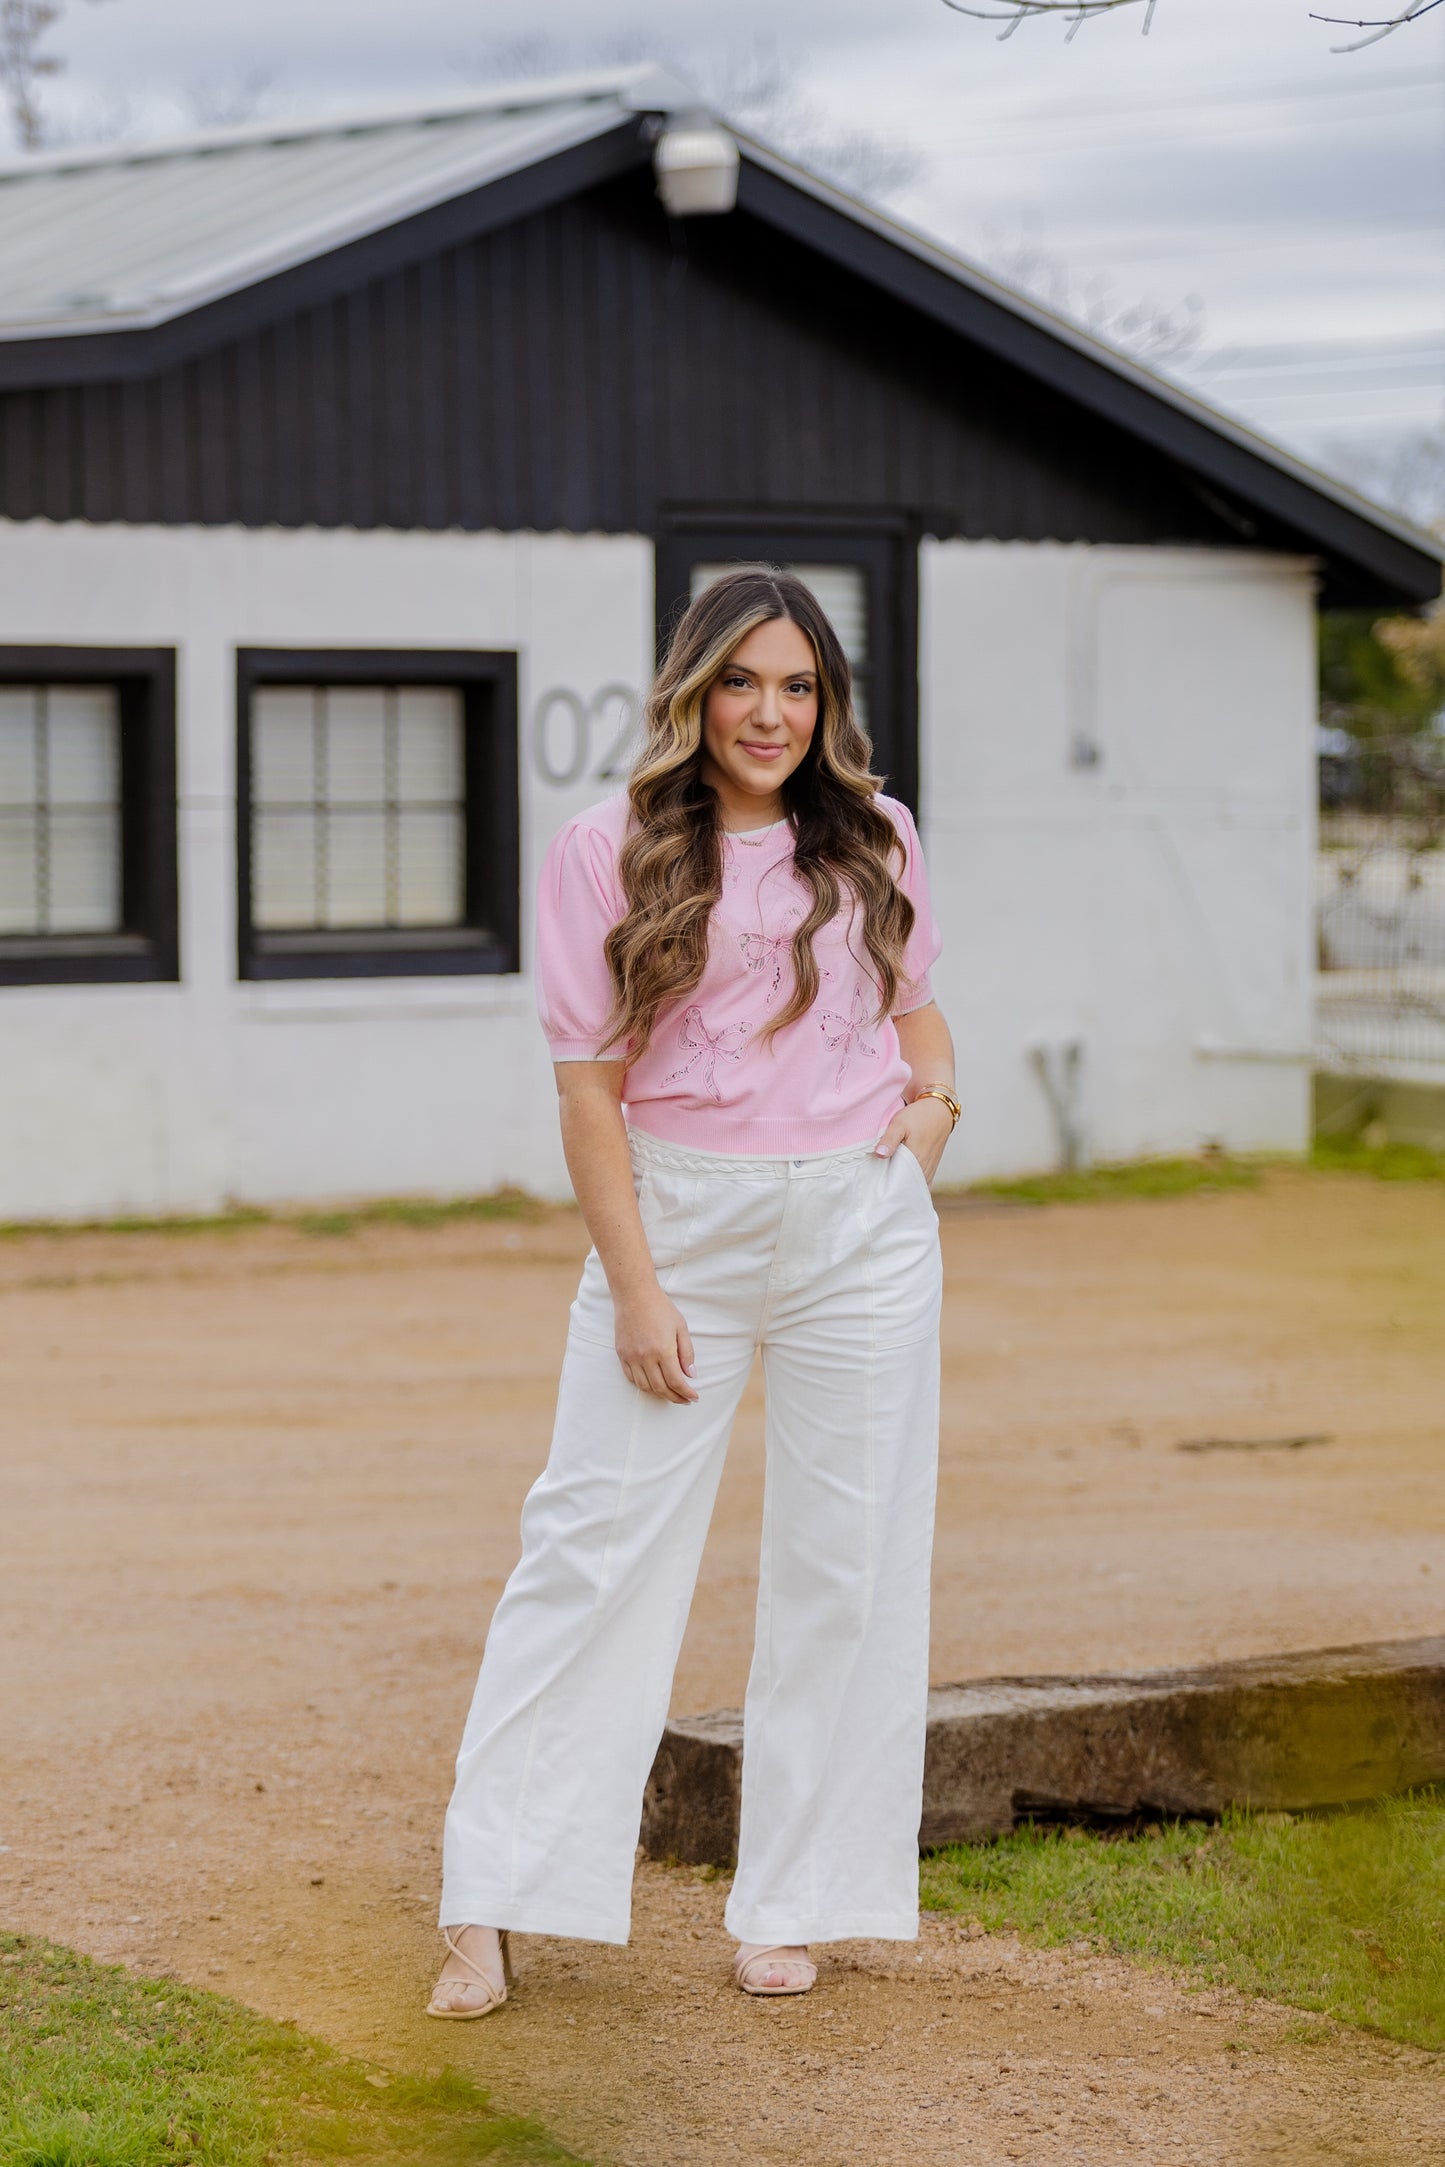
726 1136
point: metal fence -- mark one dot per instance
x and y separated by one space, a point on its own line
1380 909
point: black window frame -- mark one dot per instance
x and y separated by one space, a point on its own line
146 949
489 941
887 550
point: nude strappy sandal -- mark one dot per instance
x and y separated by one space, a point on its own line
494 1999
744 1967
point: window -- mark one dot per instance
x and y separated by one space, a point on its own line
358 805
378 802
59 809
87 815
866 579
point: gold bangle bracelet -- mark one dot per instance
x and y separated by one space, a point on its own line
942 1093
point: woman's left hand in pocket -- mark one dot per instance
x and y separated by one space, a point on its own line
922 1128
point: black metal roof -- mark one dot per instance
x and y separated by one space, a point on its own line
546 350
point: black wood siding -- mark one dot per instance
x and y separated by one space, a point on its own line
589 368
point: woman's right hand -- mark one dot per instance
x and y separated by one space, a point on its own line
653 1342
654 1345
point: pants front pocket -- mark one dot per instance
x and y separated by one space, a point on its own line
667 1204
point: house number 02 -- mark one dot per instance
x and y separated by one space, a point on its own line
564 726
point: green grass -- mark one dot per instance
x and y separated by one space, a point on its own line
1091 1185
218 1222
1387 1162
1342 1913
102 2069
1136 1177
1213 1171
420 1211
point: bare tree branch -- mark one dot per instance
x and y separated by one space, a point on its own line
23 28
93 118
1077 12
226 101
1155 332
23 25
1405 469
1381 26
756 87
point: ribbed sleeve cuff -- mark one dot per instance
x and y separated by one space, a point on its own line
920 993
578 1049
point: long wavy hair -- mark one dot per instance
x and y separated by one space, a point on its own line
845 845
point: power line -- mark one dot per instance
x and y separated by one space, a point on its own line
986 139
1206 101
1382 404
1388 342
1248 240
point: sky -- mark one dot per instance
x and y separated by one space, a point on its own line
1271 211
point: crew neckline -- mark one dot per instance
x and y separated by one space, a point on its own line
755 835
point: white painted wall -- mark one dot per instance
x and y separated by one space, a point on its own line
1154 905
175 1098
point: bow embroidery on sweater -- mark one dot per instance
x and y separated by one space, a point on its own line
707 1048
844 1035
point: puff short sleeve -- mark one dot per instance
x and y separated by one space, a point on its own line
925 942
579 901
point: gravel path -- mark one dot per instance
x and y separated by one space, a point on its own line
261 1490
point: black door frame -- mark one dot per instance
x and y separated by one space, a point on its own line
887 550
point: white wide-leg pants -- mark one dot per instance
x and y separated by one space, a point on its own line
831 1265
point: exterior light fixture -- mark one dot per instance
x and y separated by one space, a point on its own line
696 164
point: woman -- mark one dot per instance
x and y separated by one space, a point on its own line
756 1089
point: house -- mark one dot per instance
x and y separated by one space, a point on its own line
348 471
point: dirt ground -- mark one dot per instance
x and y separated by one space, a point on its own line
261 1489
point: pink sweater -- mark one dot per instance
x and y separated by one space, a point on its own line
833 1078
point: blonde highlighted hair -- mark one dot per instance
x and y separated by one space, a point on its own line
845 845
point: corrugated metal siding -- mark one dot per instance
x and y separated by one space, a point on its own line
588 369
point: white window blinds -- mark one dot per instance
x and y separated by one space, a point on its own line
358 807
60 809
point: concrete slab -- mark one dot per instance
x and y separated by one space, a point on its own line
1331 1727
